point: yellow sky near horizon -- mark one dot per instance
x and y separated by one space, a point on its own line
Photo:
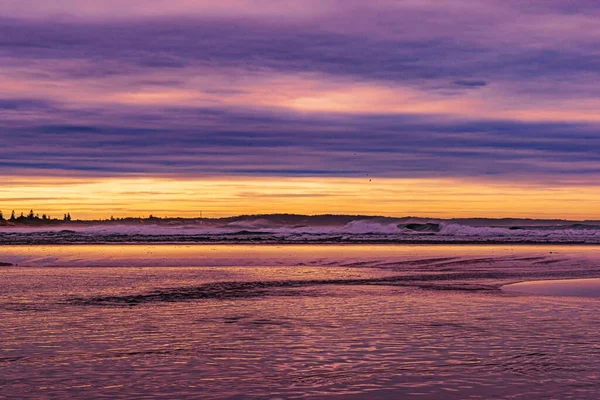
94 198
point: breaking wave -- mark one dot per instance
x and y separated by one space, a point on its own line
308 229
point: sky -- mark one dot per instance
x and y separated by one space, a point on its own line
458 108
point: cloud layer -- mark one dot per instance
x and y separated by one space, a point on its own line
482 90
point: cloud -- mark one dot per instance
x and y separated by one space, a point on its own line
132 9
218 142
471 83
23 104
421 43
475 89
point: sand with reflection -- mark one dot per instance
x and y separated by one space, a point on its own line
561 287
328 321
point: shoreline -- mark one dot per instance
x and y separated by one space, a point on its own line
302 243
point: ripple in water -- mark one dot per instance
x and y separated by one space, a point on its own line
403 323
559 287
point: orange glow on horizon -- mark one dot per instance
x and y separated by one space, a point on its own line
219 197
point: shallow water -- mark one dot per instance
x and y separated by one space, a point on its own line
295 322
559 287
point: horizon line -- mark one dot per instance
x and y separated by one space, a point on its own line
67 218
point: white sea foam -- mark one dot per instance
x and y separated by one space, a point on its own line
347 229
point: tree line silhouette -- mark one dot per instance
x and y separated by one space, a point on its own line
32 216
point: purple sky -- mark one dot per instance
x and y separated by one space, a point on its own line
469 89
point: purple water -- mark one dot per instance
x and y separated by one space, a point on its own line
559 287
329 321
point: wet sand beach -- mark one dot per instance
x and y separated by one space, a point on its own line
322 321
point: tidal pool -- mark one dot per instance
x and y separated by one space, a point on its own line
561 287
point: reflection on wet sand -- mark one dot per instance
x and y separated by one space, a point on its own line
559 287
295 322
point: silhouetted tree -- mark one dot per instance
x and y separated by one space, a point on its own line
67 217
31 215
12 216
1 216
44 217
